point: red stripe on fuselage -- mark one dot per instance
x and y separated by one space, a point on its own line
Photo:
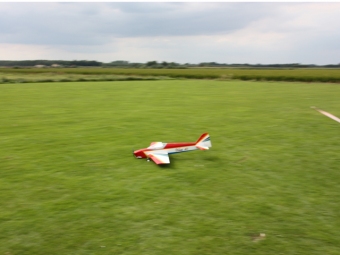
175 145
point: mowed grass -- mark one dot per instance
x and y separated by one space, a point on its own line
70 185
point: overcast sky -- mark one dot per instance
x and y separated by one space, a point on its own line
187 32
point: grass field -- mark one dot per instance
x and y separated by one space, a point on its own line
304 75
35 77
70 185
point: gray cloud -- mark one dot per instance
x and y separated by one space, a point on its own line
228 32
92 23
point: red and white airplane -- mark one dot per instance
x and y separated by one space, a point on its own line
159 152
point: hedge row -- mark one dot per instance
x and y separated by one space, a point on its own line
127 78
287 78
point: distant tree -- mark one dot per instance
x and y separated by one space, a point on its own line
119 63
151 63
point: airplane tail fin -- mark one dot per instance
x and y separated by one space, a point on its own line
204 143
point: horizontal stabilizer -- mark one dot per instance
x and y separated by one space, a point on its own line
203 148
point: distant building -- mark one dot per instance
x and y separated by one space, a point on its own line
55 65
39 66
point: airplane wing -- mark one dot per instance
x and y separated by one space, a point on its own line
159 158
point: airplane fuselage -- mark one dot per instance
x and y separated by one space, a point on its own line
170 148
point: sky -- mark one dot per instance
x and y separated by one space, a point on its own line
182 32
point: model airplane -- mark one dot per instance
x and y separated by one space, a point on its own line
159 152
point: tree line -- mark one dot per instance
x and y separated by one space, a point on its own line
149 64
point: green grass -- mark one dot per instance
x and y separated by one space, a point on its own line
304 75
70 185
34 77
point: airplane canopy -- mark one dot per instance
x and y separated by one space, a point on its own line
156 145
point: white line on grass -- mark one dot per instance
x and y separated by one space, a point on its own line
327 114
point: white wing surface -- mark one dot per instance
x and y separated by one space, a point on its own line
159 157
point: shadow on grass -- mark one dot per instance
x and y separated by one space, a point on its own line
175 162
172 164
211 158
